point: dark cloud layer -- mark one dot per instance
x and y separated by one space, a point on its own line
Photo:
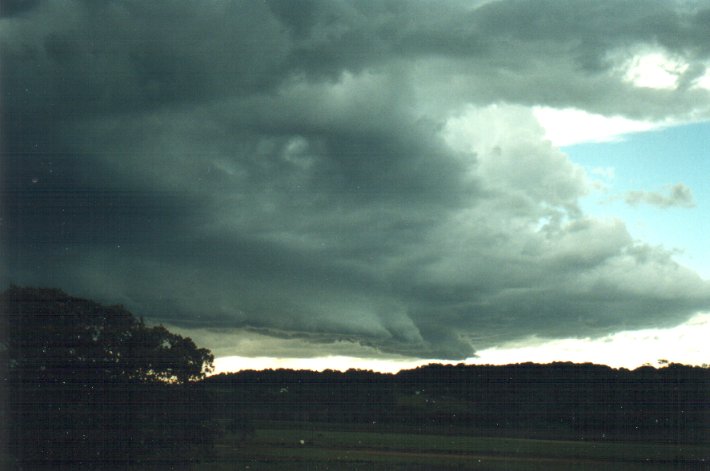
365 172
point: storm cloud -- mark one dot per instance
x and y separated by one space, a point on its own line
336 172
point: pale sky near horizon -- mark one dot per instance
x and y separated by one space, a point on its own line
686 344
367 182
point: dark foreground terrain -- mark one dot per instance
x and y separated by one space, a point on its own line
520 417
90 387
305 446
561 401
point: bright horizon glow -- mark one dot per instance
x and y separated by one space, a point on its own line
331 362
686 344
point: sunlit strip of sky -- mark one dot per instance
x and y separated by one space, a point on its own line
686 344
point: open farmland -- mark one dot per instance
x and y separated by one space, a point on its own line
313 448
519 417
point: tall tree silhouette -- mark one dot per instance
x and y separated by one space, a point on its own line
93 382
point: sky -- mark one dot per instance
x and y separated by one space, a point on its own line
375 184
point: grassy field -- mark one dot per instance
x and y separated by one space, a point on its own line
315 449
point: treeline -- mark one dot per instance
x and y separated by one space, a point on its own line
559 400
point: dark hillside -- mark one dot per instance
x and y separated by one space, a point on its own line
559 400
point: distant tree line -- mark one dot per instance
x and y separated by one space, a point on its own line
559 400
87 383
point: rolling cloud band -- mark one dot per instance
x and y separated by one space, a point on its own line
369 172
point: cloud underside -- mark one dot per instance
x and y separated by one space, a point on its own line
362 172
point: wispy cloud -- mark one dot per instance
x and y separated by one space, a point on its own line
676 196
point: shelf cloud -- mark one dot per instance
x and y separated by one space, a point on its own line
366 172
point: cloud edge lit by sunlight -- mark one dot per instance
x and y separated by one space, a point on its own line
686 344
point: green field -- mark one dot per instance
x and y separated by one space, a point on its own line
320 449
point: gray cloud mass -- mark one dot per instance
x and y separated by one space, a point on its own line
365 172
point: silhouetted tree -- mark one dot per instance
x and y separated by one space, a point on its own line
92 382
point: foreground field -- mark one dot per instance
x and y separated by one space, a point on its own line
314 449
